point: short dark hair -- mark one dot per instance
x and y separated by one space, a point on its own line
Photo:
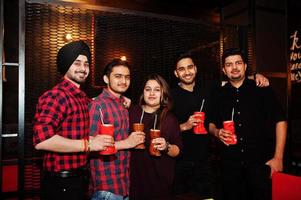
231 52
182 56
115 62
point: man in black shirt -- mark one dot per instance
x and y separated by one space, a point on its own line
193 169
260 129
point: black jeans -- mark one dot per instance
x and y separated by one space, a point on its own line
55 187
194 176
246 181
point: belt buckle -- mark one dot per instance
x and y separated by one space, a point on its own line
65 174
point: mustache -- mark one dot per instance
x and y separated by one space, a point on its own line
84 72
122 84
188 75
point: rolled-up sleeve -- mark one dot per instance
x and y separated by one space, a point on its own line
95 120
48 117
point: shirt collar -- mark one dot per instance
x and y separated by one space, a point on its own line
70 87
244 84
108 94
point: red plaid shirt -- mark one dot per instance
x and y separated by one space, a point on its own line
63 111
110 173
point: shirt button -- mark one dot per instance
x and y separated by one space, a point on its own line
237 100
64 189
242 151
241 139
239 125
238 113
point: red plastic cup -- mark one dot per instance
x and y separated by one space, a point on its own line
154 133
229 126
200 128
107 129
139 127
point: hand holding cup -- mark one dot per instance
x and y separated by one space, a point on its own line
160 143
107 129
199 128
136 138
229 135
139 127
100 142
225 136
154 133
191 122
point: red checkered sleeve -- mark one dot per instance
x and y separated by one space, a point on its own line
47 118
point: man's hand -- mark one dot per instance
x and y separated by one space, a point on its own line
100 142
224 136
127 102
190 123
276 165
261 81
135 138
160 143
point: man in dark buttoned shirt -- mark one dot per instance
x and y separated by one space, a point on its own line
260 132
193 166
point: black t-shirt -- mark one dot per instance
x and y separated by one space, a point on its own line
195 147
256 111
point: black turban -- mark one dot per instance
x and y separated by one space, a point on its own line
68 53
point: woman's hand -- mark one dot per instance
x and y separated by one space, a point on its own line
160 143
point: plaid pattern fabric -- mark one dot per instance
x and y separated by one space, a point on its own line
63 111
110 173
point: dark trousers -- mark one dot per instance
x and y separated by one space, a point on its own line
56 188
246 181
194 176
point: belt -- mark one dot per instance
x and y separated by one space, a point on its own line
82 171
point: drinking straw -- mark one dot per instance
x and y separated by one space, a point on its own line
101 115
141 118
202 105
155 122
232 114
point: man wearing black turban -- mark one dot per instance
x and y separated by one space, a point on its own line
61 127
68 53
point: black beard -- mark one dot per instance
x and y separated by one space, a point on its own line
187 82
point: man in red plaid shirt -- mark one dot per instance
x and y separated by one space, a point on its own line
61 127
110 173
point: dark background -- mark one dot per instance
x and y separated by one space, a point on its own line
151 33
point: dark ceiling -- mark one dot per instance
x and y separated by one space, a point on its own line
197 9
204 10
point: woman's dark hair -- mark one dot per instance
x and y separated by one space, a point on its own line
165 101
115 62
